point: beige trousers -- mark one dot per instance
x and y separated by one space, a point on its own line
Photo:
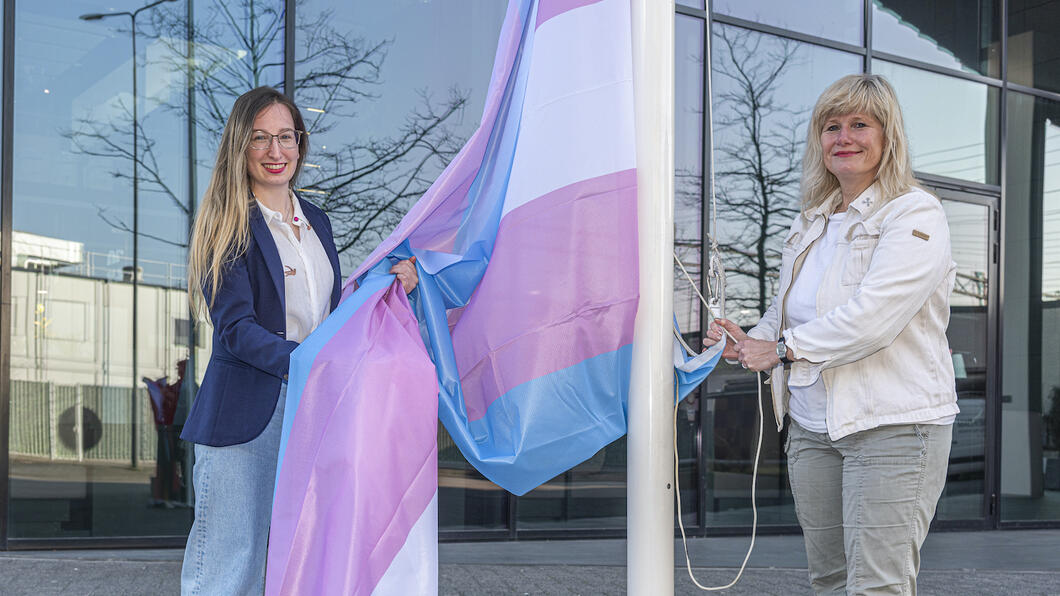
865 503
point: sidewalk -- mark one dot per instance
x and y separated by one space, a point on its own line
1012 563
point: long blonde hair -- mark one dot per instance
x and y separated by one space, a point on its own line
222 226
867 94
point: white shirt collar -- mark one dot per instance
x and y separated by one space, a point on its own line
297 215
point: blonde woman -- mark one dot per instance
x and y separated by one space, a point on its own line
856 342
263 263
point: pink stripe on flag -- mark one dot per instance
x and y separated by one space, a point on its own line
361 465
537 310
546 9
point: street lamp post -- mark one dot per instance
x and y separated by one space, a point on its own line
136 206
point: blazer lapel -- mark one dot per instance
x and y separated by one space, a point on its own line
316 219
263 238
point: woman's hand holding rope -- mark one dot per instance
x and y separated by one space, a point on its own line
752 354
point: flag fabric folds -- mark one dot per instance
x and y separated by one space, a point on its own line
518 336
533 351
356 497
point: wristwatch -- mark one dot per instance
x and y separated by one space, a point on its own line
782 352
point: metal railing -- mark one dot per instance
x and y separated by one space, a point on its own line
79 423
119 268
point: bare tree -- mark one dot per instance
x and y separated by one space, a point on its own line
757 161
365 184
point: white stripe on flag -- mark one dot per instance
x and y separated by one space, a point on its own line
414 569
577 120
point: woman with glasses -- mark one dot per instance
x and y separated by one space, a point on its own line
263 263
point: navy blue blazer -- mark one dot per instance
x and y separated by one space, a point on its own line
250 352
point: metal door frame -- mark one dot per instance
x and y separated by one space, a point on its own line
989 197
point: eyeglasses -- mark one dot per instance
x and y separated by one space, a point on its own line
288 139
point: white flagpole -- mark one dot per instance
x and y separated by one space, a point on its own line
650 472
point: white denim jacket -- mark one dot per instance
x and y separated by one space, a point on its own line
879 339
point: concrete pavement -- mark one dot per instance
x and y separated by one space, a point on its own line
1012 563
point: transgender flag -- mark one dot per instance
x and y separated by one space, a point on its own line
518 336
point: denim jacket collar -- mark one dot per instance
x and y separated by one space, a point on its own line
866 203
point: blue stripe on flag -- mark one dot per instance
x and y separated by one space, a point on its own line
571 412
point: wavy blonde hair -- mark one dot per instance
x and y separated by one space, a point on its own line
222 226
866 94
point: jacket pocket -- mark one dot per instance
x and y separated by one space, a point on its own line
858 258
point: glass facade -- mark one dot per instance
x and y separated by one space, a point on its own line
1034 44
100 340
117 110
956 35
837 20
1030 394
952 123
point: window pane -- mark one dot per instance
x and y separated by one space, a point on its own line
764 90
377 73
466 499
837 20
688 166
1030 411
371 76
688 230
952 123
963 36
590 495
970 228
1034 44
692 3
102 353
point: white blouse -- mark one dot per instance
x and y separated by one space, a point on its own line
809 405
307 273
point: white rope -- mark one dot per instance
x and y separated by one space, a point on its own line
715 308
754 472
754 506
692 283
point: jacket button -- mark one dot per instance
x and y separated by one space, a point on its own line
285 377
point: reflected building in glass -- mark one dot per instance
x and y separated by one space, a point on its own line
101 356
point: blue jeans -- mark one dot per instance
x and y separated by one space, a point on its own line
227 546
865 503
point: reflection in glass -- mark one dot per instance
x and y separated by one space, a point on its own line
970 239
688 234
590 495
1033 41
94 447
688 166
1030 416
467 500
962 36
835 20
730 427
390 92
952 123
764 90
